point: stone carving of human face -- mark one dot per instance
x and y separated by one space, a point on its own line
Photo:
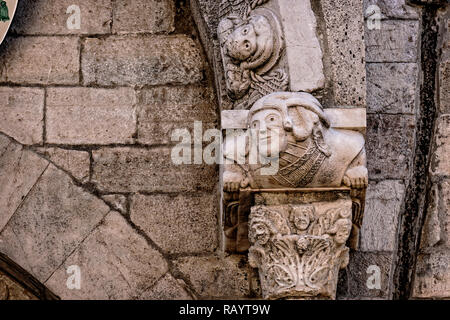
242 43
259 233
267 125
302 217
343 228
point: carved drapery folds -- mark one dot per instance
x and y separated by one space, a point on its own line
294 177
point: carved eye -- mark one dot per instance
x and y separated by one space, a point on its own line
272 119
247 45
245 31
254 125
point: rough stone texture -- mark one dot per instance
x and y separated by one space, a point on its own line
436 230
117 201
11 290
51 222
73 161
22 113
445 87
440 162
19 172
141 60
115 263
178 224
43 17
103 116
390 140
396 41
163 109
127 169
345 31
214 277
167 288
391 87
357 275
379 228
392 9
433 275
27 60
299 22
152 16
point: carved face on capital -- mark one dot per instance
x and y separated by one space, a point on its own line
302 217
259 233
267 127
343 228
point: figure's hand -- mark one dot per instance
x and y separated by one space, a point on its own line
233 181
356 177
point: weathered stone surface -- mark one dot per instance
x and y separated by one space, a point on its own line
440 162
433 275
36 17
396 41
115 263
103 116
436 229
27 60
379 228
141 60
178 224
164 109
51 222
117 201
214 277
167 288
135 169
392 9
22 113
358 274
152 16
299 22
391 87
444 90
390 142
345 32
20 170
73 161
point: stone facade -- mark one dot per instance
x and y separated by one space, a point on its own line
86 117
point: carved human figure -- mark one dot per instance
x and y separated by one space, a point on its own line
292 131
251 47
302 217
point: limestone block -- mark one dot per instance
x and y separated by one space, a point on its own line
303 51
115 263
379 228
390 143
178 223
444 78
22 113
73 161
25 60
344 22
167 288
141 60
440 161
154 16
125 169
392 87
102 116
20 170
52 221
50 17
162 110
396 41
214 277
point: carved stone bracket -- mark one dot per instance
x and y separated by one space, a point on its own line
295 174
